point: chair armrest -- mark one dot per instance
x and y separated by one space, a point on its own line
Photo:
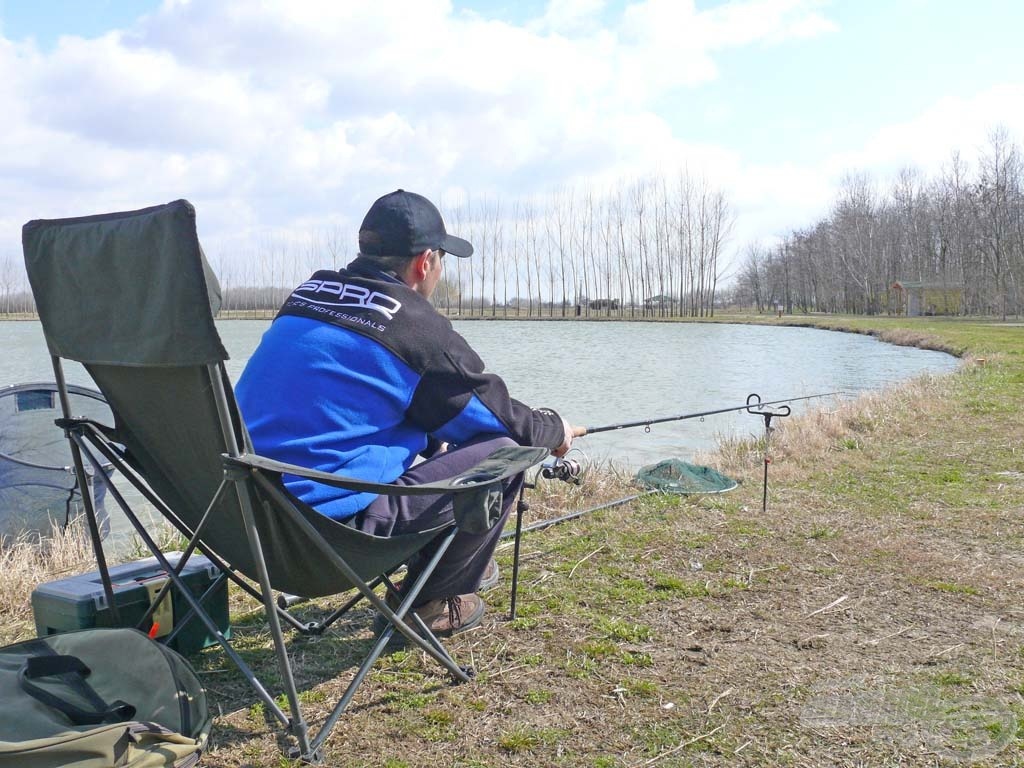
504 462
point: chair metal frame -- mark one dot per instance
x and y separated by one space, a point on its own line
240 468
140 278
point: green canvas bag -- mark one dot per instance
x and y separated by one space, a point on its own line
99 698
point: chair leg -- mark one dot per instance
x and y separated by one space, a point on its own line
396 621
297 723
521 506
85 488
426 639
195 605
458 673
183 622
321 626
354 578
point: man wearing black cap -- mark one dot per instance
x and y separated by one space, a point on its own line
359 375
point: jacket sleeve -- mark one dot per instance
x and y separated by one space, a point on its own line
456 401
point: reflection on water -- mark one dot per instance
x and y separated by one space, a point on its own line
612 372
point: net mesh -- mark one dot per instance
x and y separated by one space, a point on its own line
38 487
680 477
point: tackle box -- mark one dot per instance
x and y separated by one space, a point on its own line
79 602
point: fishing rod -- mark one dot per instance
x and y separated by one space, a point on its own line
753 401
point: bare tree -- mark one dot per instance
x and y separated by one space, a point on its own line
998 186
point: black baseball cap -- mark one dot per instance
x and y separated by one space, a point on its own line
405 224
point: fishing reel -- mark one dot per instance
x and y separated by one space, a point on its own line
566 470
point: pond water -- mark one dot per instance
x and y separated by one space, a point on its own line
612 372
605 373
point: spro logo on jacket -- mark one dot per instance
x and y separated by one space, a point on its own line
332 293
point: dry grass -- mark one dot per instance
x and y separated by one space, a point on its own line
30 561
601 483
837 427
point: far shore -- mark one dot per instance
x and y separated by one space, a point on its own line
902 331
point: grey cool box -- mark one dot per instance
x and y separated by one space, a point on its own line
78 602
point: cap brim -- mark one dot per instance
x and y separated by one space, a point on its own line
457 246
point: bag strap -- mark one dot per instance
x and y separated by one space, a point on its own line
38 667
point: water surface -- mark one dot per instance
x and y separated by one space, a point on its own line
611 372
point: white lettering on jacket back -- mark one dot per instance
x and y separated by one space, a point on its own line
337 294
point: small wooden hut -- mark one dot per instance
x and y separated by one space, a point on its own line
914 298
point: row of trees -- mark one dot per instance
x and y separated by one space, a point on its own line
653 246
15 298
961 231
648 247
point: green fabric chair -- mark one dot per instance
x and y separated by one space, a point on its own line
131 297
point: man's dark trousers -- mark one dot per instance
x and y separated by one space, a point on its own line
463 565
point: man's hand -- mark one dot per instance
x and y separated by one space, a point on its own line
570 433
434 448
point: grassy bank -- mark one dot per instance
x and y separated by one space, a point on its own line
871 617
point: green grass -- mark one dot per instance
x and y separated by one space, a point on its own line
622 630
526 739
952 679
956 589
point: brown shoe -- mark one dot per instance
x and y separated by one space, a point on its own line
444 617
452 615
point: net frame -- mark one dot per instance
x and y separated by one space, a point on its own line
38 484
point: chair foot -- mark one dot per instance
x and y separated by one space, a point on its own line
314 628
313 757
469 672
285 601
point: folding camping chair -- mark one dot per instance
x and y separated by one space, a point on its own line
130 296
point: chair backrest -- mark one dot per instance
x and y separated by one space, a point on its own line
131 297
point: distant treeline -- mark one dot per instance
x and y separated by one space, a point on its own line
652 246
958 236
648 247
16 302
655 247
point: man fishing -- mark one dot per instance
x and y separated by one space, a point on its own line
359 375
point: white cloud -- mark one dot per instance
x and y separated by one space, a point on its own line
769 21
927 140
569 15
280 116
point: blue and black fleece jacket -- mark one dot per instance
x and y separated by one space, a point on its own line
358 373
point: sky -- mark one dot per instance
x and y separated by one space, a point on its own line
279 118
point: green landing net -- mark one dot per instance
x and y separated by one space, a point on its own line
683 478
